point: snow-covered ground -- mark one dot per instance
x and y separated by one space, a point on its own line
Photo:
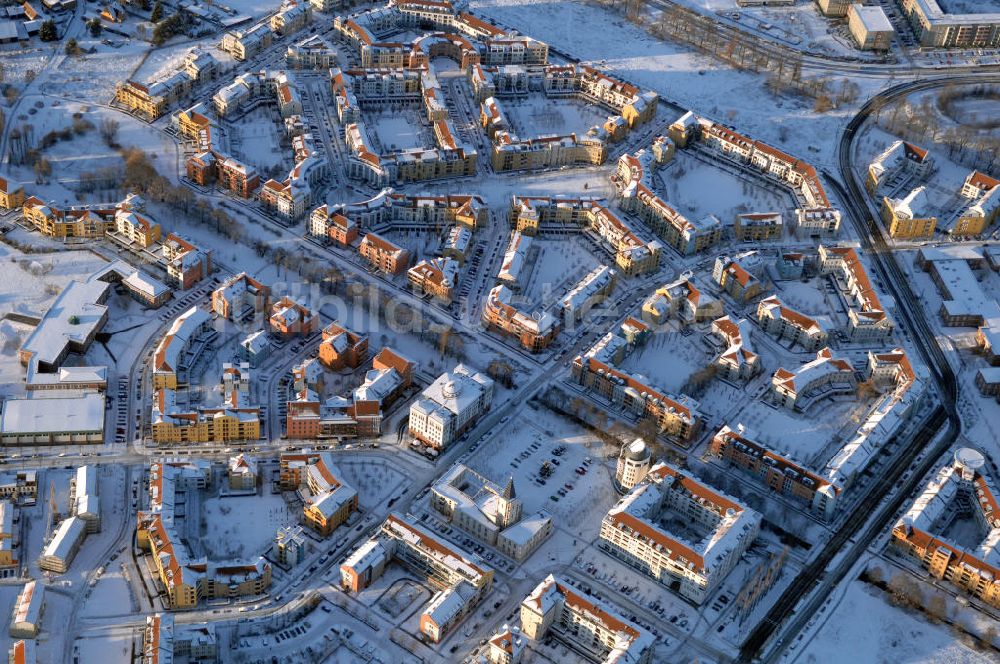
886 634
697 189
243 526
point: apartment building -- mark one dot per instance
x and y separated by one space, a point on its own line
936 27
173 423
961 489
675 415
182 343
871 28
867 319
900 160
758 226
135 227
911 217
511 153
436 277
534 331
26 620
162 641
824 376
313 52
785 323
291 319
801 177
242 472
186 264
244 44
60 551
737 447
738 359
11 194
681 298
341 347
326 223
449 406
383 255
695 558
632 254
84 499
818 222
555 608
733 275
462 579
187 580
328 500
240 296
91 221
290 18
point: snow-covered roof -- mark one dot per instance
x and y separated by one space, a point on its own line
57 415
68 534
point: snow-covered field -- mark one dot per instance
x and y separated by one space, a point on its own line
538 115
243 526
668 359
886 634
698 189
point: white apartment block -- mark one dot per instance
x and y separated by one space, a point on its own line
450 405
694 558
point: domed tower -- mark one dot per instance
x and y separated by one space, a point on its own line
634 461
968 462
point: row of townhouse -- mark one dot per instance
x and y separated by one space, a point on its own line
150 100
187 579
291 198
461 580
633 256
389 210
290 17
235 419
867 320
253 88
127 222
634 179
371 28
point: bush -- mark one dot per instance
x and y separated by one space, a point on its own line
48 31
